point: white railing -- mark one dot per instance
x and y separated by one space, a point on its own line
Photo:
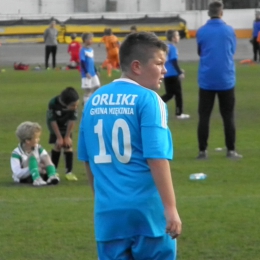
238 19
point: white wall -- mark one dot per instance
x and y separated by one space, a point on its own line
63 9
238 19
149 6
67 6
33 6
96 6
124 6
172 5
57 6
18 6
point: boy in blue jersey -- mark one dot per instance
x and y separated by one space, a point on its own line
90 81
125 143
174 75
256 30
216 48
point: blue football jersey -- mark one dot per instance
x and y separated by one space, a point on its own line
123 124
87 56
172 55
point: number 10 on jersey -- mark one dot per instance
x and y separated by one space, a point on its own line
103 157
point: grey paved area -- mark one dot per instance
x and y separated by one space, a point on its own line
34 53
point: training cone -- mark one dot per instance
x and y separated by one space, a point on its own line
247 61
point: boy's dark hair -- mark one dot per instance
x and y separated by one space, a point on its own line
73 36
139 46
69 95
109 31
170 34
86 36
105 31
215 9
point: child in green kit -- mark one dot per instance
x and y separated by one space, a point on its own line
30 163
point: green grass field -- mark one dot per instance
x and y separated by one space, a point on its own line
220 215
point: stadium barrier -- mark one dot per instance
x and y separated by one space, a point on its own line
31 31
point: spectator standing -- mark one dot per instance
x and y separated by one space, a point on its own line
216 47
50 40
255 43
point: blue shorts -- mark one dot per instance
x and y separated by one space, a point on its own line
139 247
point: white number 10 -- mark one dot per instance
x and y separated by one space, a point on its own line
103 157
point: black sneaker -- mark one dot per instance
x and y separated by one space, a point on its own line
203 155
233 155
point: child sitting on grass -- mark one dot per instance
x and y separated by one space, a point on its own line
30 163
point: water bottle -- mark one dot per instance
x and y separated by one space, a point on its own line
198 176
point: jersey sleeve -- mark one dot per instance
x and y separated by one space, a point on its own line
116 41
16 167
82 151
198 36
156 136
73 115
82 55
234 40
45 34
51 116
172 55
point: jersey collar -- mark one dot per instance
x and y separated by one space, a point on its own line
215 20
20 148
127 80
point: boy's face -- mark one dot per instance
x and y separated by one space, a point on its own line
73 105
152 73
53 24
176 37
88 41
34 140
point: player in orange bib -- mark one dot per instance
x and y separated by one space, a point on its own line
112 48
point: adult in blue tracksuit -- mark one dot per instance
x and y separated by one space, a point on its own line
216 48
256 30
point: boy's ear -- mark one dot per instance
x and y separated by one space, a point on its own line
136 67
